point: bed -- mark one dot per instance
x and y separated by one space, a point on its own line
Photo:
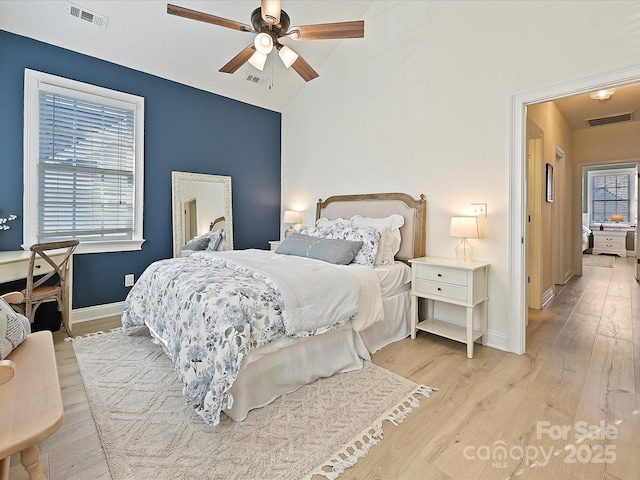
257 361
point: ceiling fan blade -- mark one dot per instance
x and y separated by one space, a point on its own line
236 62
326 31
304 69
208 18
271 11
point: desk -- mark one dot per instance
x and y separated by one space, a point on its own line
15 264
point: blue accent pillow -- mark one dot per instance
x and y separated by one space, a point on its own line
338 251
206 241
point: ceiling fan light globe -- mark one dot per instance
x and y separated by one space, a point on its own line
263 43
288 56
258 60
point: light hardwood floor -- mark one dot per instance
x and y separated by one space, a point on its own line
569 404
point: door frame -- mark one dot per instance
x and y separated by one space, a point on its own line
517 309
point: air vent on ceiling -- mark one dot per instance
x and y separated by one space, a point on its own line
256 80
88 16
608 120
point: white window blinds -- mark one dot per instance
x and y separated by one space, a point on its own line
83 164
85 169
610 196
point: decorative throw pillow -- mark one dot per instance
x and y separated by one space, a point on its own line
325 222
332 250
385 255
204 241
12 329
214 240
392 222
370 238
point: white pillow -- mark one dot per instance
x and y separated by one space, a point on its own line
392 222
325 222
385 255
12 329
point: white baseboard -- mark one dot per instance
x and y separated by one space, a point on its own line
96 312
548 295
498 340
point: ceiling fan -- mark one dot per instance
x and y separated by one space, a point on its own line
271 24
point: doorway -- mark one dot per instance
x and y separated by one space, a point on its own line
518 188
190 219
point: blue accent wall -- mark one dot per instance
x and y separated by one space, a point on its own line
186 129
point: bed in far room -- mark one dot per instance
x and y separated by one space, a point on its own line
244 327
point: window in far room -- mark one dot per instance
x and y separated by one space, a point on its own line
612 192
83 164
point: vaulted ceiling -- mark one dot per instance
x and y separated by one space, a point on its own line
141 35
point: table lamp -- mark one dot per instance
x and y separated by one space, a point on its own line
291 217
464 227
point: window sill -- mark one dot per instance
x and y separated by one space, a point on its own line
107 247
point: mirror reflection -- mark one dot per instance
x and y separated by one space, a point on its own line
202 214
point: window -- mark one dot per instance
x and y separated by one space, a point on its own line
611 192
83 164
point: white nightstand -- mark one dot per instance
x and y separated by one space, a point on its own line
608 241
274 244
446 280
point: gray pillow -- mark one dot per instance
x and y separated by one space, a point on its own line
204 242
340 252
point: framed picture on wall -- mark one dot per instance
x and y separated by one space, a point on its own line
549 182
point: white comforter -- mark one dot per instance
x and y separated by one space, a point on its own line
316 295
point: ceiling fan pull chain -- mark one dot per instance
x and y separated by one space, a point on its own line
271 68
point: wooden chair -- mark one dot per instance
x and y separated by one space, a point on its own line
31 406
37 292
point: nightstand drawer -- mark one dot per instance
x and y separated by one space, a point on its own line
437 274
617 242
441 289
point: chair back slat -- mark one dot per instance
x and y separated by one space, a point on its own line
43 250
33 297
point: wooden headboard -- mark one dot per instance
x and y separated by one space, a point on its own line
413 232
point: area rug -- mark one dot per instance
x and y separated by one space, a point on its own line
148 431
598 260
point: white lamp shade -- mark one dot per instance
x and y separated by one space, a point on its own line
464 227
287 55
263 43
258 60
291 216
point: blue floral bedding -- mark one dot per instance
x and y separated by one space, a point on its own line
208 312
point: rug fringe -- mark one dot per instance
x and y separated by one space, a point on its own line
359 446
92 334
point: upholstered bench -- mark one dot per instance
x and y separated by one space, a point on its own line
30 402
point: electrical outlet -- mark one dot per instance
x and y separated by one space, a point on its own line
479 209
129 280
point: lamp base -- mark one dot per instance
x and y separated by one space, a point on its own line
289 231
464 252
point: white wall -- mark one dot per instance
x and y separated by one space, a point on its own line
422 105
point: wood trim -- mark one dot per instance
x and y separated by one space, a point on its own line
419 205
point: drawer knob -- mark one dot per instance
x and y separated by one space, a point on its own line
38 266
439 289
439 274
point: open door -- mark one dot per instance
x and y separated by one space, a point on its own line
190 219
637 245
